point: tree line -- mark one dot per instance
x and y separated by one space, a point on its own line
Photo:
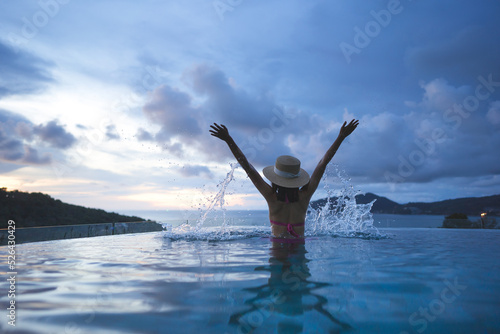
38 209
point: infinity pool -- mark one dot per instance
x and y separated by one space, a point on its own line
411 281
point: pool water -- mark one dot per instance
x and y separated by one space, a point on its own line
412 280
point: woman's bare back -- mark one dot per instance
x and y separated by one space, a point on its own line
288 213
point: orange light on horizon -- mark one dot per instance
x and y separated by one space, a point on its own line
483 214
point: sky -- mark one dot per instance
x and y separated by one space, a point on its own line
108 103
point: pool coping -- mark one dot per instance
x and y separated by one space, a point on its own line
44 233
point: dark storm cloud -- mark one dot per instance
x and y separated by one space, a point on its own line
21 72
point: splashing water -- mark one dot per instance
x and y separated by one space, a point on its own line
211 214
340 216
219 200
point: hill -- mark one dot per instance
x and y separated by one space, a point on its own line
472 206
37 209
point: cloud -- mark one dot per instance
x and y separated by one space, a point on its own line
377 147
385 140
173 111
22 73
226 103
430 142
10 148
24 130
31 157
111 132
259 125
440 95
143 135
13 150
11 145
195 170
471 49
493 114
19 138
280 84
55 135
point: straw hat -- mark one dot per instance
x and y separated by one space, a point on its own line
287 173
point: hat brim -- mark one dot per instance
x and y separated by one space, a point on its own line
295 182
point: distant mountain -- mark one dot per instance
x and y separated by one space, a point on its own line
37 209
472 206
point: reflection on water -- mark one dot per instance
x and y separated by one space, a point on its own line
289 294
150 284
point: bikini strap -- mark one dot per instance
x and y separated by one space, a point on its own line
289 227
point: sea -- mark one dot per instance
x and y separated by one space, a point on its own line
261 218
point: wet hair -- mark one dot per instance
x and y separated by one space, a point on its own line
282 193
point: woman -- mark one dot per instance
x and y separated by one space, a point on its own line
288 197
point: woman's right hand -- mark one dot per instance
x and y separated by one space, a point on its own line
346 130
220 131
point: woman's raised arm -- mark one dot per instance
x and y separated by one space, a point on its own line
316 176
221 132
